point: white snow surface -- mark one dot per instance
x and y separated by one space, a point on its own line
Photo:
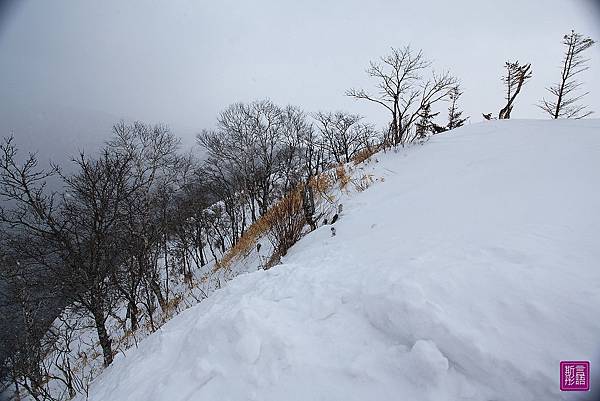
468 274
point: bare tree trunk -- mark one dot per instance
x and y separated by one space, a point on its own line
133 312
265 200
166 249
309 205
149 304
243 221
212 251
563 80
200 246
155 287
17 392
253 206
105 341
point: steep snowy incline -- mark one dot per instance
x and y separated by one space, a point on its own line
467 275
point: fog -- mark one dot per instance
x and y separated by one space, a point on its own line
69 69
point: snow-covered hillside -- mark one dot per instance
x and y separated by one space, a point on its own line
467 274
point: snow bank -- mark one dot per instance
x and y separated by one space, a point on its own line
467 275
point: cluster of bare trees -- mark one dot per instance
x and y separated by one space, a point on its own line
566 94
88 246
407 87
261 151
138 215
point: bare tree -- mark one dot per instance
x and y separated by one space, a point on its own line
313 163
224 180
24 321
297 131
344 136
455 119
191 226
515 78
154 166
253 153
565 97
242 151
286 222
404 91
93 216
77 238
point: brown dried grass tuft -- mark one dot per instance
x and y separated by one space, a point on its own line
364 154
173 304
363 183
342 177
284 220
245 244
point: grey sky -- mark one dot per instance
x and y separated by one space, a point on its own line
182 61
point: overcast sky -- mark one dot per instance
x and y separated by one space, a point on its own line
182 61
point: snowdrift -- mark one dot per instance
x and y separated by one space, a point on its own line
468 274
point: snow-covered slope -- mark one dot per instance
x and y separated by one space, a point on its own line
468 274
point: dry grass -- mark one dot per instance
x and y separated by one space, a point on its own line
276 215
321 185
274 260
127 335
364 155
342 177
245 244
286 214
363 183
286 221
173 304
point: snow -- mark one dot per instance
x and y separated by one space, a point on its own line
468 274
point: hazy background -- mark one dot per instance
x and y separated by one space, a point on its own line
69 69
